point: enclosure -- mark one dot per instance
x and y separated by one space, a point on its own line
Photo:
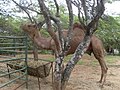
11 51
15 66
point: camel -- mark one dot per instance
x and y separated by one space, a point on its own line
78 33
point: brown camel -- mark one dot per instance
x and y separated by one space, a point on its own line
95 46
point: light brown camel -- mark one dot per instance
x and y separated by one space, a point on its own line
95 46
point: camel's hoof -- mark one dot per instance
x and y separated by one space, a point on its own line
100 84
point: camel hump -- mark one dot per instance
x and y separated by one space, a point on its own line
78 30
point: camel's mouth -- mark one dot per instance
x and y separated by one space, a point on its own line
23 27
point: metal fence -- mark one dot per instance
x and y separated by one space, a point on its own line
13 49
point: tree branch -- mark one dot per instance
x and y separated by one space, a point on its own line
46 15
57 7
81 18
24 10
91 27
69 5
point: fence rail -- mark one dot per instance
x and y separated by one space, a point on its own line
13 49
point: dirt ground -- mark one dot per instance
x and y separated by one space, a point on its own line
83 77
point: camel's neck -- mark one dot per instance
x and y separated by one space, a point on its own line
42 42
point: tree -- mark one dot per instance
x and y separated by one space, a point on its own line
10 26
108 31
89 22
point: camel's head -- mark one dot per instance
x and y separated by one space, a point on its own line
30 29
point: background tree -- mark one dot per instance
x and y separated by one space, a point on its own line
108 31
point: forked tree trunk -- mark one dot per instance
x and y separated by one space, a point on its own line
61 78
61 75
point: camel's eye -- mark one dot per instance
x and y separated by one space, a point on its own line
34 26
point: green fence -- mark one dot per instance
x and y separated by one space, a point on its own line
13 49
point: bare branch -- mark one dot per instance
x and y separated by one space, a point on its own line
31 10
69 5
93 24
83 3
60 34
24 10
93 8
46 15
40 24
57 7
80 13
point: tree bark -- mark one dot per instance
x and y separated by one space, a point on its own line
59 68
73 61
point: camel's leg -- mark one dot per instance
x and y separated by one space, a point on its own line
103 69
98 51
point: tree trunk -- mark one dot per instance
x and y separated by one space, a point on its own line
58 73
61 75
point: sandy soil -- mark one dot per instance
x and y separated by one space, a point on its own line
83 77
